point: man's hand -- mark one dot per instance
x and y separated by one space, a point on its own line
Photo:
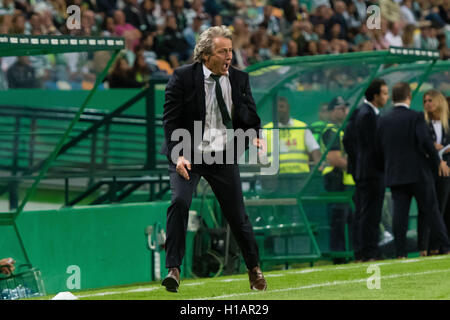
182 165
261 145
438 146
7 266
444 170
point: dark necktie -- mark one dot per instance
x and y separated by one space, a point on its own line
222 106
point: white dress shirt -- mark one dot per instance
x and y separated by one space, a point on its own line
394 40
214 135
437 125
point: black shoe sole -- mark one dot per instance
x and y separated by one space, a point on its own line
171 284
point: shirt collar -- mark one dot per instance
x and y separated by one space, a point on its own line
375 109
401 105
207 73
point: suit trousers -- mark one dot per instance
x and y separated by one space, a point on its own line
371 197
443 192
340 214
356 225
225 182
425 195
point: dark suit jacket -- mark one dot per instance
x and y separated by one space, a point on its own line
185 103
349 142
445 140
365 129
405 147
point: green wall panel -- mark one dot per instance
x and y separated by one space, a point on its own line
106 242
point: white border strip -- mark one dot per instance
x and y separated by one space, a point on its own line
286 273
325 284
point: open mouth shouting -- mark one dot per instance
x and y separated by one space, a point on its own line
225 67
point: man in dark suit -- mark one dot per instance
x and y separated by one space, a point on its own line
409 158
368 179
212 97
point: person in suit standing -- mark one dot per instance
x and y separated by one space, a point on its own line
406 151
368 178
437 118
215 96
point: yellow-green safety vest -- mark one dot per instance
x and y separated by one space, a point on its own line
347 178
294 157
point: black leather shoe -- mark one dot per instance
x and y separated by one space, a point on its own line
256 278
172 281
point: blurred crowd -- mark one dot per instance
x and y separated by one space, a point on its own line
160 35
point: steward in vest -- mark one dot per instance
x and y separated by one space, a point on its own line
336 177
296 141
336 157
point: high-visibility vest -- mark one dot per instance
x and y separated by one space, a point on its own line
293 157
347 178
317 129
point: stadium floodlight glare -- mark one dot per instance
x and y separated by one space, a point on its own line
20 45
413 52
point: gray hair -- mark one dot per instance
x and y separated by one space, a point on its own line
205 43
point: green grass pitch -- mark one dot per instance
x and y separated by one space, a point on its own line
408 279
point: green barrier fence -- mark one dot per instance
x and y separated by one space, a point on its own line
95 246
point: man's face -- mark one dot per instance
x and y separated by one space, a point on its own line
35 20
220 59
382 98
119 17
283 111
171 22
338 114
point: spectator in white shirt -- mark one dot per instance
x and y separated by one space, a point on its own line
393 36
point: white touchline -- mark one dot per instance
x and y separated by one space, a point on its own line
193 284
118 292
361 265
325 284
409 260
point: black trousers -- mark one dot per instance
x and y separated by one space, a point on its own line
226 184
446 212
425 195
340 213
356 225
370 197
442 192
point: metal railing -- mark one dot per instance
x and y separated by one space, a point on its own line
110 142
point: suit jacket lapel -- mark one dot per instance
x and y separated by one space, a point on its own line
369 108
372 112
199 83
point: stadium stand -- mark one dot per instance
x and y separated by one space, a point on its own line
308 50
263 30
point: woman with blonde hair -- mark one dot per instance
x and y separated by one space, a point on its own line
436 113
